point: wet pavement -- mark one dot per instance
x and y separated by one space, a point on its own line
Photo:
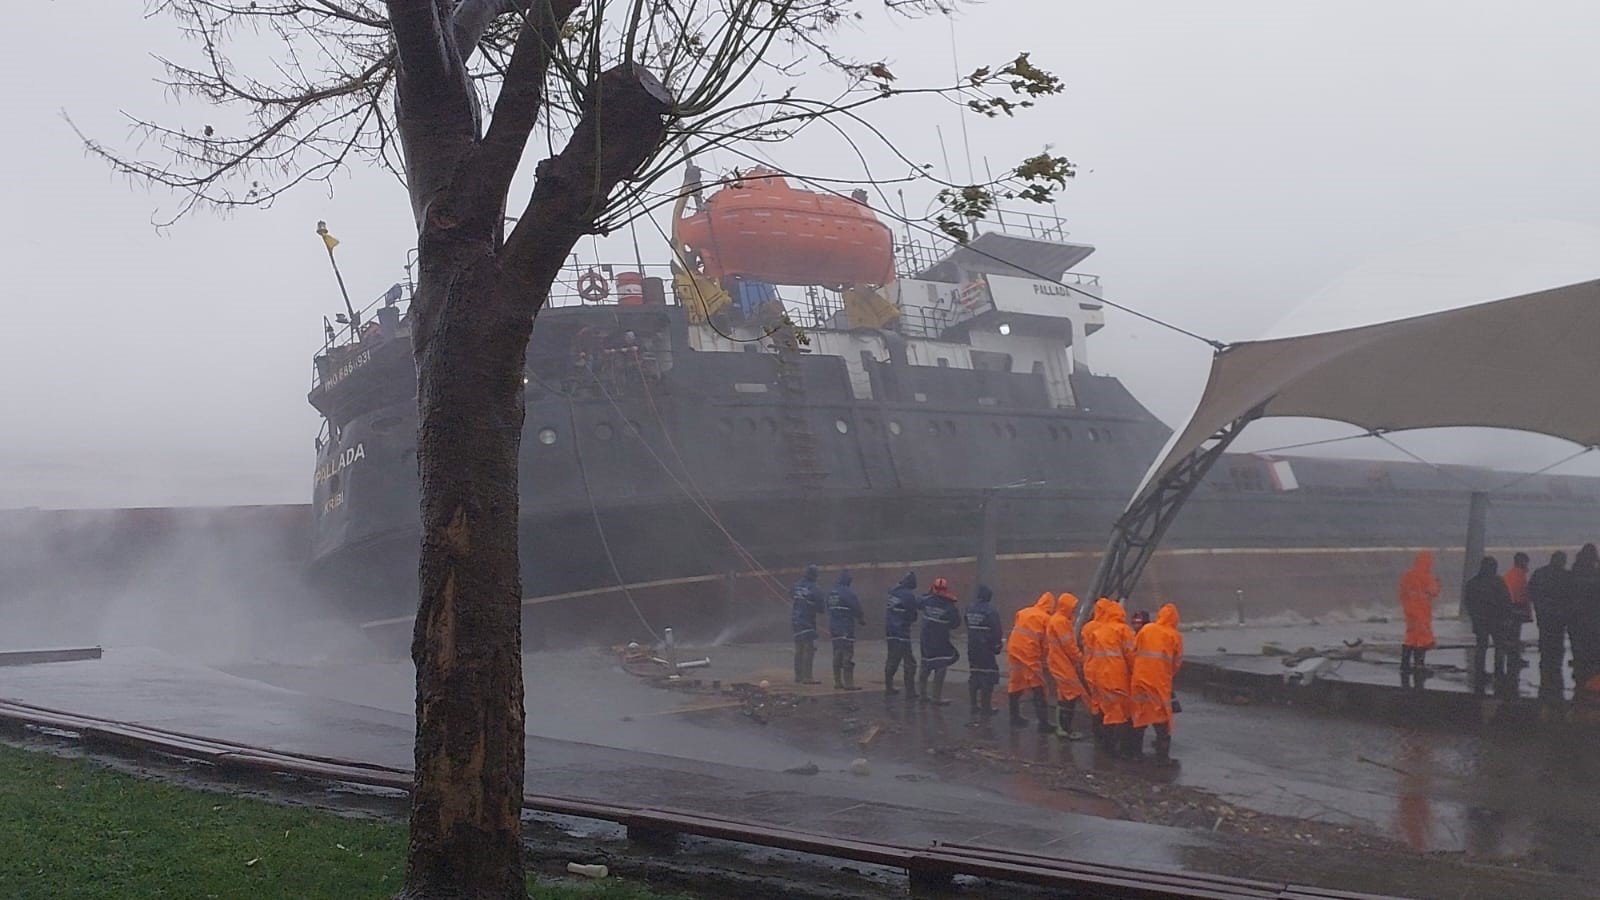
1377 639
598 732
349 712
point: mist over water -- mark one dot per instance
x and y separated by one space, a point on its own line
210 586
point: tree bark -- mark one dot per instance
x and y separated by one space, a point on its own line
472 317
465 837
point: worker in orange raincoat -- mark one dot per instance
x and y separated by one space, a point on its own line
1107 672
1418 589
1157 654
1066 663
1026 659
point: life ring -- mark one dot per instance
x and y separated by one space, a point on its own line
592 286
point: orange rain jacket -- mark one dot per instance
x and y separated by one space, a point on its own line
1517 585
1061 640
1108 661
1418 588
1025 649
1157 654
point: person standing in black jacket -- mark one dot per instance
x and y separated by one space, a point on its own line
1584 626
1550 593
1488 605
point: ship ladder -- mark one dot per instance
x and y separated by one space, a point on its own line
801 442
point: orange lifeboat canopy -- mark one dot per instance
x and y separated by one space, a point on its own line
762 228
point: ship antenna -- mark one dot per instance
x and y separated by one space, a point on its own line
955 66
638 259
948 176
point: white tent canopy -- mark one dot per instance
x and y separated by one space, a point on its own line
1529 362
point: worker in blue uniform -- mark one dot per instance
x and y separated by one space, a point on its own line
940 618
805 604
844 614
900 613
983 653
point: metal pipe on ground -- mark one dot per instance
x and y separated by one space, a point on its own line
926 866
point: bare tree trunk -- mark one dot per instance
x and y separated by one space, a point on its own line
465 838
473 316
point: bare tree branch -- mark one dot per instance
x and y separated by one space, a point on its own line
622 127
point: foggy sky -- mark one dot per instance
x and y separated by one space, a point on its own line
1236 158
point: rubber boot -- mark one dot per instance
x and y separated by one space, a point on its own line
938 688
1104 735
1041 711
1163 747
986 702
922 684
850 677
838 674
1064 721
972 700
1133 743
1017 721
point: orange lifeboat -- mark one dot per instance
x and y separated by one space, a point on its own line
762 228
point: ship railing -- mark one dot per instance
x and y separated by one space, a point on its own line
1017 223
368 328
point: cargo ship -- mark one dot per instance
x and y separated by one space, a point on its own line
795 385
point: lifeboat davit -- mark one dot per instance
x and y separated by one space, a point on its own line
762 228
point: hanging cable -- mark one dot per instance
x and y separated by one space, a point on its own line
1271 450
693 489
1521 478
755 564
583 471
1434 466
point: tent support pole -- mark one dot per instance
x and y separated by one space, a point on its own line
1477 536
1139 530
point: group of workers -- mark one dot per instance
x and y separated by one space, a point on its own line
1121 674
1563 602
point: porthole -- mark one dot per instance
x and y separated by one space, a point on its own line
996 427
333 484
894 427
547 436
933 428
949 426
604 431
1055 433
750 425
1094 434
1011 430
841 426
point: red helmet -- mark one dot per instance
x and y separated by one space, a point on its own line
941 586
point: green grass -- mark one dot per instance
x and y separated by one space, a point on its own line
73 829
